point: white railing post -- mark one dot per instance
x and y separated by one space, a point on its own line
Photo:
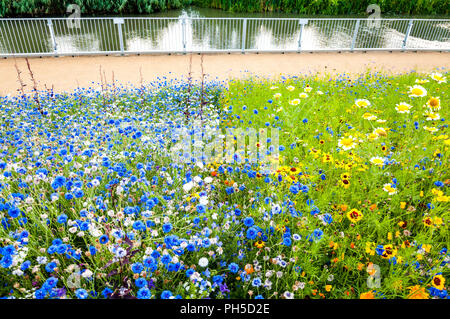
302 24
408 31
355 35
244 34
183 32
52 35
119 22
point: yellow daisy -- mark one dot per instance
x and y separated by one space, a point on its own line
422 81
370 117
380 131
438 77
362 103
389 189
378 161
430 129
403 107
347 143
432 116
303 95
417 91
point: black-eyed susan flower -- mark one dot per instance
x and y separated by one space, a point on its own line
259 244
345 183
354 215
389 251
438 282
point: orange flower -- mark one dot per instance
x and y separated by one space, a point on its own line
344 207
214 174
249 269
417 292
367 295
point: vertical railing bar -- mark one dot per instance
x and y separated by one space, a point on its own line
110 45
244 35
111 32
183 31
94 26
24 38
30 32
439 36
89 31
105 31
36 37
17 49
3 35
408 30
426 30
300 35
11 38
140 25
434 32
224 33
57 29
25 30
419 29
445 33
43 31
19 44
280 28
8 37
355 34
367 40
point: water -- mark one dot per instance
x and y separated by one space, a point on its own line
170 35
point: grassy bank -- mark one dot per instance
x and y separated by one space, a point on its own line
36 8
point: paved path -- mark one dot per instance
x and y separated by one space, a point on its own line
67 73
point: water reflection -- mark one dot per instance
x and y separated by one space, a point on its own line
190 32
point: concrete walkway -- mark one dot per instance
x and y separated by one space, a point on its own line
67 73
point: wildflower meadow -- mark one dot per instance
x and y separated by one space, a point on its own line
338 189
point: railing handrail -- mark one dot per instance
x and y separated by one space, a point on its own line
115 34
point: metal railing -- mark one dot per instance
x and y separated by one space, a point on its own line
62 36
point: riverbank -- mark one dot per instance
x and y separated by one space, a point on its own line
68 73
